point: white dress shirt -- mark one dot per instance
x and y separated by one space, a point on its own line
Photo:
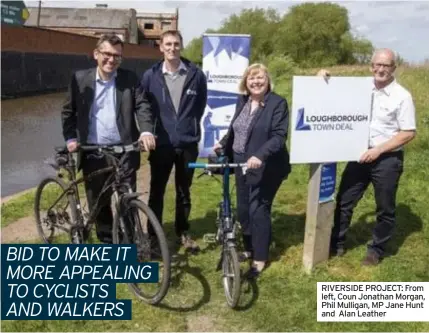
392 111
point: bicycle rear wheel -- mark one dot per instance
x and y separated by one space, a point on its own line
56 213
149 248
231 275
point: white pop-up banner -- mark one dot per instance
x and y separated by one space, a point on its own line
330 120
225 58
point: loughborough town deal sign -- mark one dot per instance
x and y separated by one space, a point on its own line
330 120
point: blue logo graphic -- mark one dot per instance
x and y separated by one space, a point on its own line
211 132
237 45
218 99
300 124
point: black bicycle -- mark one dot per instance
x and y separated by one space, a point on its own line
61 218
226 229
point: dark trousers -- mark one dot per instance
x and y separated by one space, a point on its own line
93 187
254 205
384 174
162 160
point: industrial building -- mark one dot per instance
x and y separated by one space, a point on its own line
132 26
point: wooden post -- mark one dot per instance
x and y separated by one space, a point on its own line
319 220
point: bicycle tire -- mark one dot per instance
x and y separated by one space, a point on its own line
162 241
230 260
37 206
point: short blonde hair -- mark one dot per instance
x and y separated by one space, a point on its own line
242 87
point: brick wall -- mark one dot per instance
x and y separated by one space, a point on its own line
29 39
36 60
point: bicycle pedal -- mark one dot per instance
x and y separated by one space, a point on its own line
209 238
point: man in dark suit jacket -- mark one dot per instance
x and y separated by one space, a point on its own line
101 107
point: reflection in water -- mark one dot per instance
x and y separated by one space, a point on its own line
30 129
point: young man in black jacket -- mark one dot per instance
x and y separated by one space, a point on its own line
177 91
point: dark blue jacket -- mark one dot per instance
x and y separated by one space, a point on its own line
182 128
266 139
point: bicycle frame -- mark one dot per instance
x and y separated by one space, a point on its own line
228 261
115 169
227 218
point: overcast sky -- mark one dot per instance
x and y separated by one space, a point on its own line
402 26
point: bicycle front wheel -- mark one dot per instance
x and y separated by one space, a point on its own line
56 213
231 275
137 224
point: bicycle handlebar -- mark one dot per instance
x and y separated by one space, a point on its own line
115 149
216 165
208 166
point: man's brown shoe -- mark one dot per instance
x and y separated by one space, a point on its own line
371 259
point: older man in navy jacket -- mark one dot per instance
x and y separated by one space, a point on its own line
177 91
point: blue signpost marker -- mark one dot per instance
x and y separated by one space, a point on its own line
14 12
320 214
327 182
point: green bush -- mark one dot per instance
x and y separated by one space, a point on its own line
280 66
310 35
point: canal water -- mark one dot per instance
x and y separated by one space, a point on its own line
30 129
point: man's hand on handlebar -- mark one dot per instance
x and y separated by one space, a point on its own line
72 146
147 141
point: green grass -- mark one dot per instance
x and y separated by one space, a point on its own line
23 205
284 299
17 208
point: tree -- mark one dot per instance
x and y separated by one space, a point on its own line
355 50
261 24
193 50
362 51
311 33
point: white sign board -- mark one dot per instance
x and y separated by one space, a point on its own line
330 120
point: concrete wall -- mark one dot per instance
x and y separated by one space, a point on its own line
133 30
158 21
37 60
87 21
92 32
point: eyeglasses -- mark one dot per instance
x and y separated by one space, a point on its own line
108 55
378 65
